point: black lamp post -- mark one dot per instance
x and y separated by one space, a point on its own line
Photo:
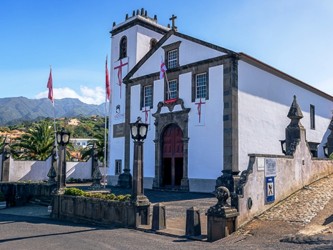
138 133
62 139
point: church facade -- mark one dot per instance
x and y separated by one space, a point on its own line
209 111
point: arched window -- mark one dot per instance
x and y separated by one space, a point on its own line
153 42
123 47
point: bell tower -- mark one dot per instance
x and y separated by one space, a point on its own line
130 42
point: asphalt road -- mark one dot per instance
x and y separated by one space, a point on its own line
27 232
23 232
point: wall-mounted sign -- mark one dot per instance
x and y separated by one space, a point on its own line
119 130
261 163
270 167
270 189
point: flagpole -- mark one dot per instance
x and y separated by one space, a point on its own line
164 69
105 135
167 82
107 97
51 97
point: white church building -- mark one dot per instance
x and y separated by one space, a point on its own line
212 108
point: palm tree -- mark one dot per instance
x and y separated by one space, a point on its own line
2 143
99 141
36 144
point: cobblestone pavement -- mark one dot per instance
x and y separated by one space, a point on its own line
304 220
303 205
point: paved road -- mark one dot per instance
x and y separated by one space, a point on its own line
22 232
303 221
25 232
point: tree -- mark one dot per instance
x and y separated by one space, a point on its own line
36 144
99 140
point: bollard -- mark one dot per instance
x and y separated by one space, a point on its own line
159 221
193 226
221 218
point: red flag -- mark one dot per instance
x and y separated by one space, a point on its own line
163 69
107 81
50 87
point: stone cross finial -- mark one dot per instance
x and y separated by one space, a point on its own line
172 19
295 111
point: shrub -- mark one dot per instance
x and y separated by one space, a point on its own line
2 196
103 196
74 192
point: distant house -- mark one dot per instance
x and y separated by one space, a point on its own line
74 122
13 134
80 142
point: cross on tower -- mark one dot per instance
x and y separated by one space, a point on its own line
172 19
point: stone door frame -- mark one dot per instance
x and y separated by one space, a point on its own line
162 121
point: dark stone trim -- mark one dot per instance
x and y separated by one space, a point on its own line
230 115
145 58
167 49
127 129
138 22
142 93
197 70
121 54
244 177
206 44
162 121
164 38
271 156
192 67
171 46
172 77
254 62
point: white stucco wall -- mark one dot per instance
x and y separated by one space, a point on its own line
205 153
38 170
292 173
138 44
186 55
206 141
264 102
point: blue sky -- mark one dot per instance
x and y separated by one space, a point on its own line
294 36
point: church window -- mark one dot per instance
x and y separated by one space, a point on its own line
172 90
148 96
201 85
123 47
312 117
118 167
172 59
153 43
172 55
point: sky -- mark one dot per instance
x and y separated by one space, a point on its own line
294 36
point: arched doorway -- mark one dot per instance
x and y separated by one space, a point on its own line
172 157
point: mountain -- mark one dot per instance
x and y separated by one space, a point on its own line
14 110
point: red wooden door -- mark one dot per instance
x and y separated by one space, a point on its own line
172 156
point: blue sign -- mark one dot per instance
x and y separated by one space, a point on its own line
270 189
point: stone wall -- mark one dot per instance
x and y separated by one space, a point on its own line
83 209
20 193
37 170
292 173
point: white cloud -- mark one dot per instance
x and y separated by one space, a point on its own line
87 95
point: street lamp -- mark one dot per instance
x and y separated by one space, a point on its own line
139 133
139 130
62 139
